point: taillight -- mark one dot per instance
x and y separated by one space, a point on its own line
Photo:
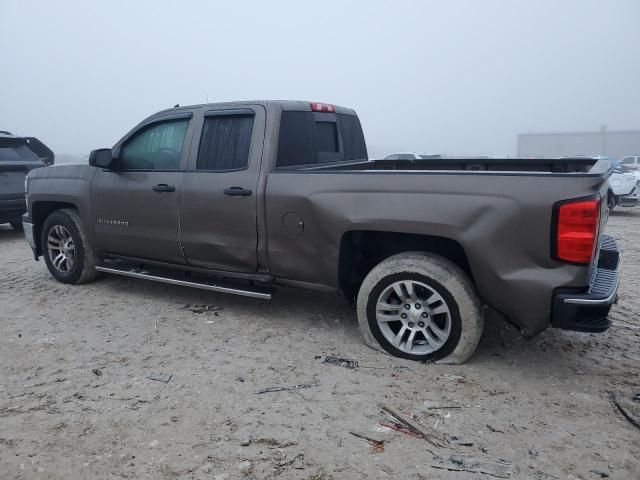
577 231
322 107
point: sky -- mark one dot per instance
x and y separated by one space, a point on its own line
455 77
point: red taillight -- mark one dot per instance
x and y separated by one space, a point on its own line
322 107
578 231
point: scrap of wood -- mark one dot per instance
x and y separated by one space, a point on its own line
412 427
465 464
286 388
377 446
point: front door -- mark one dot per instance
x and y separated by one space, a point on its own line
135 204
219 202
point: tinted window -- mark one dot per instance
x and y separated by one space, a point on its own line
16 150
352 137
627 160
295 144
327 137
156 147
308 138
225 142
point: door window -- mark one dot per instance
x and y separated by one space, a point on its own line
156 147
225 142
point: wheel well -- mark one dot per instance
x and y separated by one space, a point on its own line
39 213
360 251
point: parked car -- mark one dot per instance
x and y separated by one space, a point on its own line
17 157
243 197
632 162
624 187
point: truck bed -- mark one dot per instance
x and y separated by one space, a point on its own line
554 165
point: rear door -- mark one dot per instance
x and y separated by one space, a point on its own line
218 206
135 205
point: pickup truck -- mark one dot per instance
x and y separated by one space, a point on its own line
243 197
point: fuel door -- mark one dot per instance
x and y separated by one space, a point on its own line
292 224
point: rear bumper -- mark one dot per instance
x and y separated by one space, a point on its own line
588 311
629 200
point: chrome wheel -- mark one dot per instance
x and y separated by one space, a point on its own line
62 250
413 317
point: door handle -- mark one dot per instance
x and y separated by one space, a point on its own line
163 187
237 192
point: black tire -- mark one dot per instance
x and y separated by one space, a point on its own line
611 202
17 226
445 280
82 268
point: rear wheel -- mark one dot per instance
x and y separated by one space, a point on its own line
65 248
420 307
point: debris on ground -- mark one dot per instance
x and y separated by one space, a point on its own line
340 362
159 377
626 413
245 467
601 473
376 446
274 443
401 424
540 475
454 440
97 372
287 389
494 429
457 463
636 398
203 309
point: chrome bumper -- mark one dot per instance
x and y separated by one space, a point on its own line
588 311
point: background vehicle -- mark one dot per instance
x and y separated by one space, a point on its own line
624 186
413 156
241 197
17 158
631 162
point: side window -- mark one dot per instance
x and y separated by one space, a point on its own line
156 147
225 142
627 160
393 157
308 138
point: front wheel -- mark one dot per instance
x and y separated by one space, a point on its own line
66 250
420 306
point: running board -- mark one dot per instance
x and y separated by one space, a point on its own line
171 278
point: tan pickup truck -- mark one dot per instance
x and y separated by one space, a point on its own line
242 197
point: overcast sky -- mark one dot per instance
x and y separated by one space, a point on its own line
459 77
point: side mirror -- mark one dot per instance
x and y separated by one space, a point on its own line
101 158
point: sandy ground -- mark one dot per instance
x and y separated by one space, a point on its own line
542 406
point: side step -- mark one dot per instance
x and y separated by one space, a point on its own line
184 279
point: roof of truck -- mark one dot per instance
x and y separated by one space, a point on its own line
295 105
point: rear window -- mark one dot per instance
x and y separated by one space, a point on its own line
16 150
308 138
225 142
